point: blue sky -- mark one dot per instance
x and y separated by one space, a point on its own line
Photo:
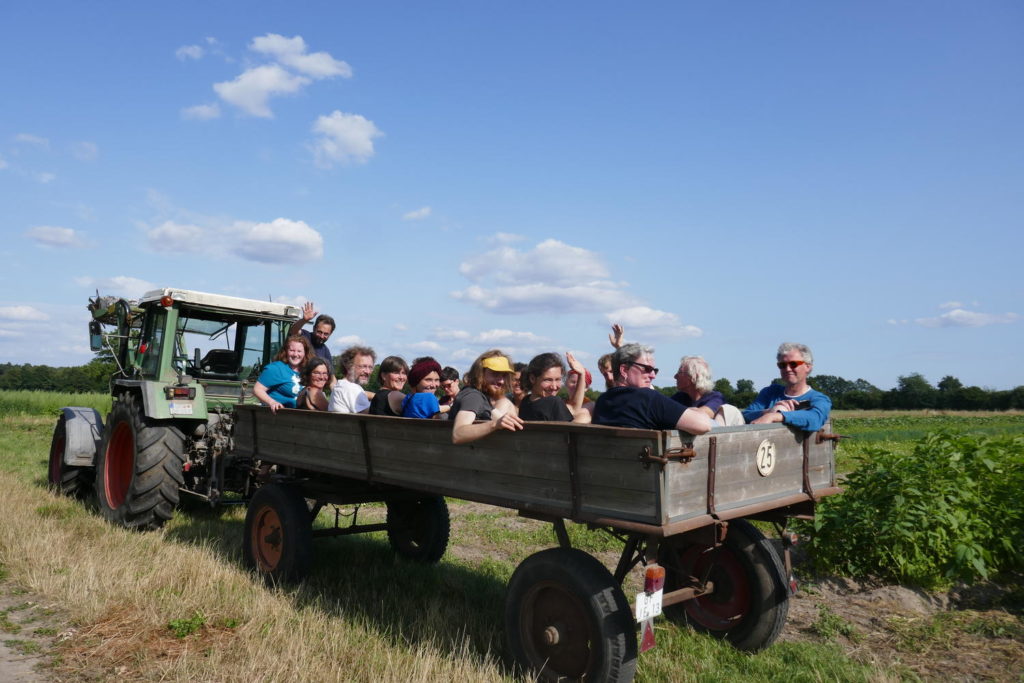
454 176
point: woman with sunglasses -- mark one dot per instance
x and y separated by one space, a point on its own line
633 402
793 402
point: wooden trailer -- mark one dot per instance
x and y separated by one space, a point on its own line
679 503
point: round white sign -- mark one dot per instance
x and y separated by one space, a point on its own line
765 458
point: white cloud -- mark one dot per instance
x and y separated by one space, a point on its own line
401 327
189 52
344 138
22 313
507 338
252 88
85 151
279 241
122 285
425 346
959 317
505 238
55 236
201 112
29 139
176 237
546 298
11 334
45 177
416 215
550 262
292 53
445 334
950 304
346 341
650 322
293 69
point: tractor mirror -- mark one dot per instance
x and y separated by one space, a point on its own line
95 336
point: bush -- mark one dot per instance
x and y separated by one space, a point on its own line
950 511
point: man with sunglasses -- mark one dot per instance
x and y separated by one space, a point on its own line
632 402
793 402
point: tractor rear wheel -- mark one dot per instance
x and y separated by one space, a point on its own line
138 468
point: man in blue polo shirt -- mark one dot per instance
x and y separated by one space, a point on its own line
632 402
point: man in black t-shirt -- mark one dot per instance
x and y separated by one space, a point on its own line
632 402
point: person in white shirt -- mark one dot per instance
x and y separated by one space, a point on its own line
348 395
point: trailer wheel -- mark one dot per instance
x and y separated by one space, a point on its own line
418 529
65 479
567 619
138 468
278 540
750 600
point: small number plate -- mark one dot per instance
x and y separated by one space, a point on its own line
180 408
648 605
765 458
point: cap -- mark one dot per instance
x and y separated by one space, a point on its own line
497 363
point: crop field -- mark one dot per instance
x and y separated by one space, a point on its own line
177 605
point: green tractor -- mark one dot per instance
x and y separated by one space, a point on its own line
184 360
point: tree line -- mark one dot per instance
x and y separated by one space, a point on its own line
912 392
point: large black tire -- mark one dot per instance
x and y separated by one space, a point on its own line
750 601
418 529
138 468
278 541
69 480
567 619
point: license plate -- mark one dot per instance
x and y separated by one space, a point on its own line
180 408
648 605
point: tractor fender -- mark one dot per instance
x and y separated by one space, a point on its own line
83 434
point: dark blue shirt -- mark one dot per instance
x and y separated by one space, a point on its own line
635 407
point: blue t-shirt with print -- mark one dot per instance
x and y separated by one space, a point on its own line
283 384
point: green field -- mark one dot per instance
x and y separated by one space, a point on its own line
177 605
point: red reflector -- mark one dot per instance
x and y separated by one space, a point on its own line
647 641
182 392
166 301
654 579
186 467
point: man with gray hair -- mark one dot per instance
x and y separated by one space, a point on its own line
793 402
633 403
347 395
693 380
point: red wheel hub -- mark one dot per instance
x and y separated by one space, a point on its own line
730 601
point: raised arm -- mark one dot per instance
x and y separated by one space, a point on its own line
576 400
307 315
615 338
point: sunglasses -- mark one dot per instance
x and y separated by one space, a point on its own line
793 364
644 367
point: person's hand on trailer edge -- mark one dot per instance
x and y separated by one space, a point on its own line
506 420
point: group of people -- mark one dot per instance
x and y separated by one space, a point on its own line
500 395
